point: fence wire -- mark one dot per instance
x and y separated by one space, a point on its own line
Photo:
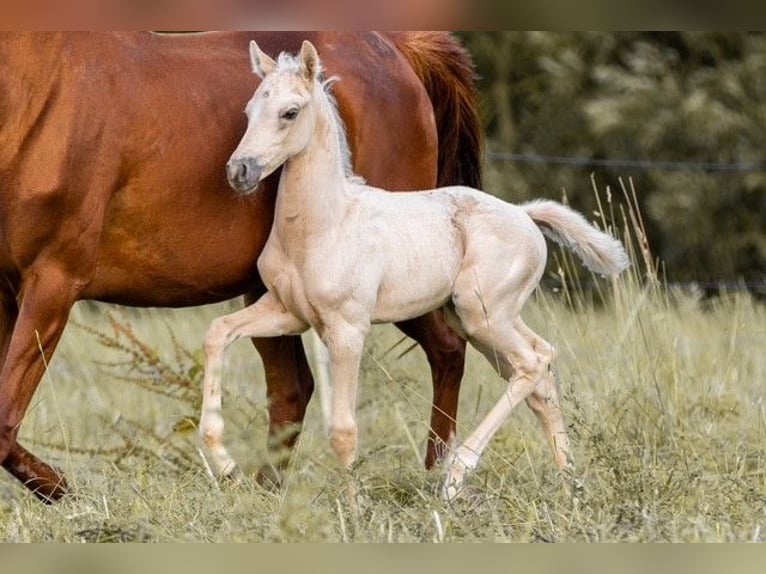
658 165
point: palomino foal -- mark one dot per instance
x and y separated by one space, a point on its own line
342 255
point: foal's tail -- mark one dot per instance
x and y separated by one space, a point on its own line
447 71
600 252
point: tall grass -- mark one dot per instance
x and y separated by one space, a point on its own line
663 392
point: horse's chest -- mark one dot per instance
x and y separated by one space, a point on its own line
282 277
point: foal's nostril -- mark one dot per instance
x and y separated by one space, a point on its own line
243 173
236 169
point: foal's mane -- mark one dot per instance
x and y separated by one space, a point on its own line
289 63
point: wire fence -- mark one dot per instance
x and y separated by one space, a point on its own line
703 286
706 167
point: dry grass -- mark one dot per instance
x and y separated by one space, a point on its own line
663 392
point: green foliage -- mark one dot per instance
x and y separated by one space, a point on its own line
661 97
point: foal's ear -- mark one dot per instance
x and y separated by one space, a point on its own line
261 63
309 61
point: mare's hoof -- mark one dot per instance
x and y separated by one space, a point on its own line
46 490
269 477
44 481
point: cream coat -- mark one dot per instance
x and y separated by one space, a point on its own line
342 256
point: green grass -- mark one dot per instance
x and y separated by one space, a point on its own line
663 393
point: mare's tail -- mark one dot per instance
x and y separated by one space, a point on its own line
446 69
600 252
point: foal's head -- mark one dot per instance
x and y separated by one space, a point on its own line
281 115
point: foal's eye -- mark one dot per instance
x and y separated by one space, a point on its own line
290 114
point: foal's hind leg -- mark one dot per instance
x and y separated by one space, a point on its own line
544 402
511 353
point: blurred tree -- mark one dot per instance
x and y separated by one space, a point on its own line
669 99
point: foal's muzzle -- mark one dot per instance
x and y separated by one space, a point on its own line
244 174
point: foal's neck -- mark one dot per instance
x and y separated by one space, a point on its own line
313 188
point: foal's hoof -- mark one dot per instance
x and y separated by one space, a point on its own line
572 486
451 491
575 489
231 478
467 498
454 480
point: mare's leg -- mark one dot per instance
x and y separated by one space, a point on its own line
22 464
264 318
289 386
44 300
9 312
445 352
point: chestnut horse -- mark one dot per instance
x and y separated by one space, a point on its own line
113 188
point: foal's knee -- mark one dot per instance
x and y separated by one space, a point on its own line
216 336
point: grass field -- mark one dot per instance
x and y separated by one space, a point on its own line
663 393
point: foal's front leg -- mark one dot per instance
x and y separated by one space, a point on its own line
345 344
267 317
